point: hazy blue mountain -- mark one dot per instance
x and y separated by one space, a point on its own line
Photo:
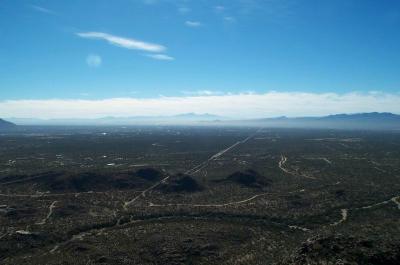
185 118
6 124
370 117
372 120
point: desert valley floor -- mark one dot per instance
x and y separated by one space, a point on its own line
199 195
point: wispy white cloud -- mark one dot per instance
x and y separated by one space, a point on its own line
127 43
161 57
193 24
42 9
270 104
93 60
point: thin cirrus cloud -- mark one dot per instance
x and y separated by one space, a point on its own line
123 42
243 105
193 24
42 9
160 57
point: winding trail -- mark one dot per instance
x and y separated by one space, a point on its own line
281 165
51 208
344 213
396 200
224 204
373 205
210 205
327 160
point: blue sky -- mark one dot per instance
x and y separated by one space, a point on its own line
152 49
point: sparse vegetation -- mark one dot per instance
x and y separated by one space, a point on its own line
336 200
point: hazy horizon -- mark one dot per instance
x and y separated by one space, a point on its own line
237 106
196 115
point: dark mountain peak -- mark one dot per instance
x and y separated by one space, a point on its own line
181 183
364 115
6 124
249 178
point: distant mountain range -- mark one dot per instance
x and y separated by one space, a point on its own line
5 124
180 119
372 120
